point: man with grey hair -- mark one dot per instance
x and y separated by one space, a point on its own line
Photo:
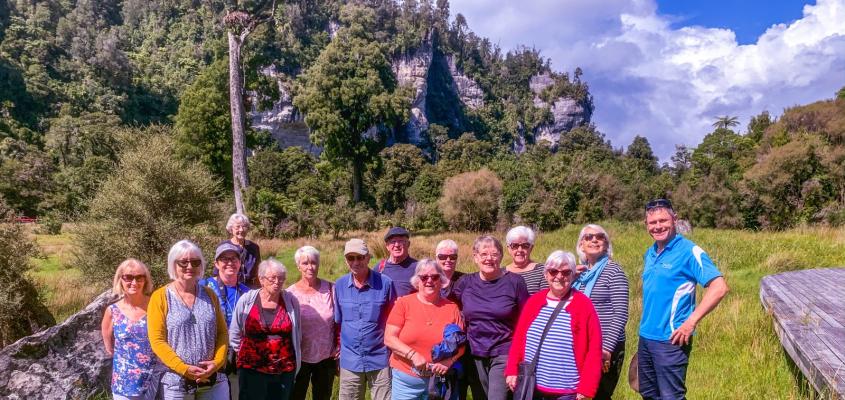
673 267
363 299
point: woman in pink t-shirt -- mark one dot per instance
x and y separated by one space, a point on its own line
319 332
414 326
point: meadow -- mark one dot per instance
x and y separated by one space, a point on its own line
736 353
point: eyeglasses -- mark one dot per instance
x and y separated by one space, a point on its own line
444 257
432 277
133 278
488 255
397 241
274 279
659 203
184 264
355 257
598 236
523 246
563 272
228 260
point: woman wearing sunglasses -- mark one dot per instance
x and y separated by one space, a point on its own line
124 332
520 242
559 331
187 329
446 254
603 281
415 325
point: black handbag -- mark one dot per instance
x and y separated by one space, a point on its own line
526 379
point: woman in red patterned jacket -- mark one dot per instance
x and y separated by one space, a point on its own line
569 362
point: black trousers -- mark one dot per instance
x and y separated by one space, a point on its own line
609 379
319 375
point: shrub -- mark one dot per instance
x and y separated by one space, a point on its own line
21 311
471 200
151 201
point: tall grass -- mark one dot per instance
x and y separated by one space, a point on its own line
736 353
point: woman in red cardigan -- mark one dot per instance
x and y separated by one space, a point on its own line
569 362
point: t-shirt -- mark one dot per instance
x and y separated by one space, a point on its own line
535 279
421 326
401 275
491 310
316 321
669 281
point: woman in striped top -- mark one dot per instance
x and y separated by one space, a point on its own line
520 242
569 362
603 281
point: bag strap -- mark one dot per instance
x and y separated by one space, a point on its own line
546 329
381 265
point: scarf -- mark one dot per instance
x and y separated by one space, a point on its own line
590 276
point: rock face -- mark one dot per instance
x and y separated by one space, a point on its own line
468 90
283 121
567 113
412 70
66 361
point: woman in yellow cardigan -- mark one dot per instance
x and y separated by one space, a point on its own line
187 330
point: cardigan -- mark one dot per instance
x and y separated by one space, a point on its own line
586 338
245 304
157 332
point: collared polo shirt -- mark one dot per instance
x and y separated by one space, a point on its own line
669 281
362 315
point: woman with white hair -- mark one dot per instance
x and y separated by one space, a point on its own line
124 331
603 281
415 325
266 335
238 226
187 329
520 243
446 254
558 331
319 331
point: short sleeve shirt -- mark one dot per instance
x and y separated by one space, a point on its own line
362 315
401 275
420 326
669 281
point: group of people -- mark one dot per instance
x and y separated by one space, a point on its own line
407 328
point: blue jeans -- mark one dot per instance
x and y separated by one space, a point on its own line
407 387
662 369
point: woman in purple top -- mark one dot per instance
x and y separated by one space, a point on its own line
491 301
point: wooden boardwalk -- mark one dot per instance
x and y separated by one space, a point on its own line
809 316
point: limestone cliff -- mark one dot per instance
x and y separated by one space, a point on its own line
567 113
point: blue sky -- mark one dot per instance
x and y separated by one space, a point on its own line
667 69
748 19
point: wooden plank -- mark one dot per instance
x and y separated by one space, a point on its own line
808 310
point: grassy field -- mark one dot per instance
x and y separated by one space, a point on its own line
736 353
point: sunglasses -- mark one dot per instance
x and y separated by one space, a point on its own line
432 277
194 263
598 236
355 257
444 257
555 272
659 203
133 278
523 246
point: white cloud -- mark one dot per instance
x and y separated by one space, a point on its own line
666 83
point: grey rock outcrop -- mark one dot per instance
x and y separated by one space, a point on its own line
567 113
468 90
66 361
283 121
412 70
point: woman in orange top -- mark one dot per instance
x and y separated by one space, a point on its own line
414 326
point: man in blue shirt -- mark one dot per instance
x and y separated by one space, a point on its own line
673 267
363 299
399 265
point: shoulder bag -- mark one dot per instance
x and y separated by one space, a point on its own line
526 379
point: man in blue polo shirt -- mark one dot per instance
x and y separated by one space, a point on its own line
363 298
673 267
399 265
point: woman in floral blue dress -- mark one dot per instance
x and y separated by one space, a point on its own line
124 332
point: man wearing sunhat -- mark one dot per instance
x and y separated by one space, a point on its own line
674 265
363 298
399 265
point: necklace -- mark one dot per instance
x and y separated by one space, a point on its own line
429 320
191 319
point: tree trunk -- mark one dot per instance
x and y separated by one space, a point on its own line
236 105
357 173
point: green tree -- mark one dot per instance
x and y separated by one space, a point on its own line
640 152
726 122
349 90
758 125
401 164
